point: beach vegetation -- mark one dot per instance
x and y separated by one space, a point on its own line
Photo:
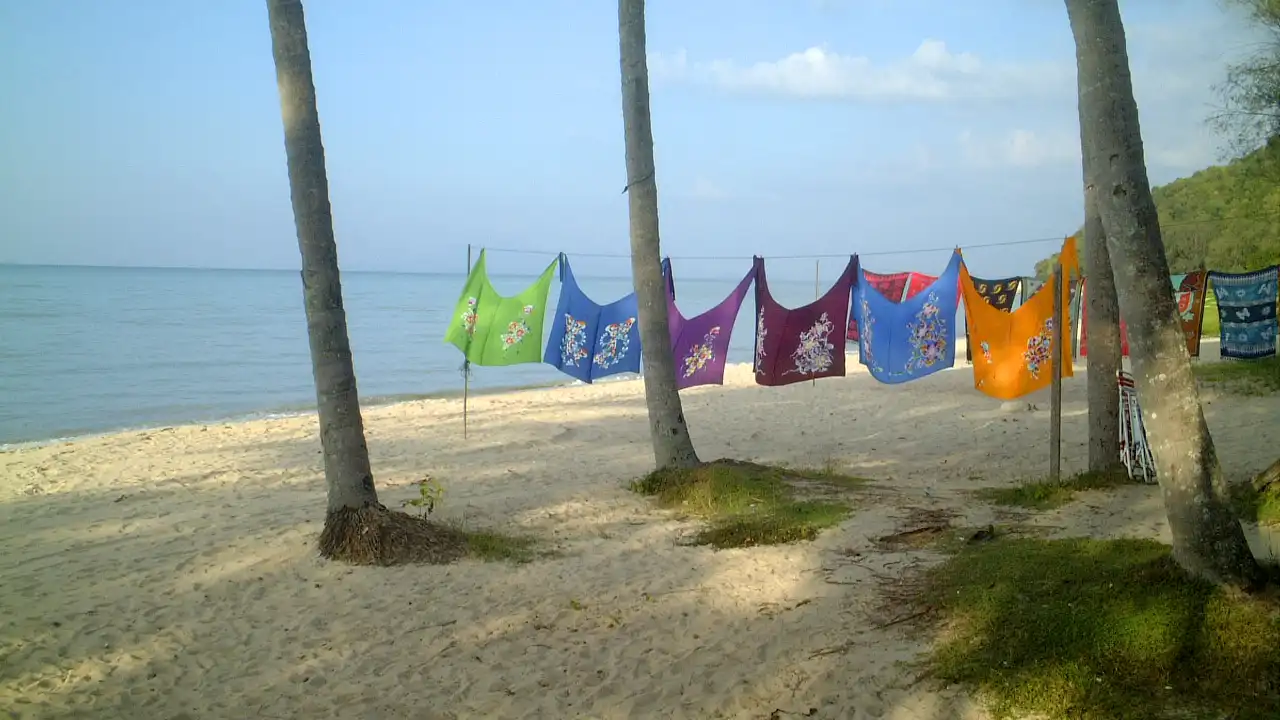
1241 377
1099 630
745 504
1259 501
1049 494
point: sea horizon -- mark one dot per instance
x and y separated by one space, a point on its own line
89 350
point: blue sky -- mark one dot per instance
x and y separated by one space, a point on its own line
147 132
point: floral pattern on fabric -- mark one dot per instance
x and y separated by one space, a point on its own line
469 317
928 337
867 323
614 343
573 346
813 353
517 330
761 333
1039 352
702 354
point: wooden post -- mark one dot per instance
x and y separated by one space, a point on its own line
1077 321
817 288
466 367
1055 390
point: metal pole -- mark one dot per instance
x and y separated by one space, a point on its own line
466 367
1055 390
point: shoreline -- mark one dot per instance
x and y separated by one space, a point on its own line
278 413
379 401
151 574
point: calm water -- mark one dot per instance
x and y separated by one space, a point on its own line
88 350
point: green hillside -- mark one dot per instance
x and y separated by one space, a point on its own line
1227 216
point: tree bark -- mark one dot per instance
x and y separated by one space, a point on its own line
346 456
672 445
1105 357
1208 541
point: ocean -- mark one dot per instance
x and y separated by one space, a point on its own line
86 350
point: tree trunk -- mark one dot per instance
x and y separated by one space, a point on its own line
1104 358
346 456
672 446
1207 538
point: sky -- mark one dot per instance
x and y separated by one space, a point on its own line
148 132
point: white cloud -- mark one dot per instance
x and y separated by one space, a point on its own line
704 189
931 73
1019 148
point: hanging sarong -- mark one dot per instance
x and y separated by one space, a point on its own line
1190 295
701 343
798 344
1002 294
1247 312
491 329
908 340
891 286
1014 354
590 341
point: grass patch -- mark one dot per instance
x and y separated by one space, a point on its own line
746 504
1046 495
1242 377
1094 630
1259 501
1258 506
1210 325
499 547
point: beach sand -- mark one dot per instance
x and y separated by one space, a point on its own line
173 573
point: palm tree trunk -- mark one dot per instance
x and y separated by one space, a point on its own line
1208 541
672 446
346 456
1104 358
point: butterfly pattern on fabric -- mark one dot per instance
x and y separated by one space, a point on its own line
1247 312
573 346
614 343
594 340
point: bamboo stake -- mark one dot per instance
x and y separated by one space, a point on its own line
1055 390
466 367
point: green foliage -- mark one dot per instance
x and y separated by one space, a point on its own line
747 504
498 547
1046 494
1226 217
1250 92
1242 377
430 493
1101 630
1258 501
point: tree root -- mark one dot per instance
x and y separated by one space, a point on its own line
374 535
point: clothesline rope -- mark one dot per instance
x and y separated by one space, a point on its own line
878 253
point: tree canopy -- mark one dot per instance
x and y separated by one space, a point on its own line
1250 113
1226 217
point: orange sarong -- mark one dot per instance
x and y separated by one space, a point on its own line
1013 351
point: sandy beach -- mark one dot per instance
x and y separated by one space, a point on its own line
173 574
